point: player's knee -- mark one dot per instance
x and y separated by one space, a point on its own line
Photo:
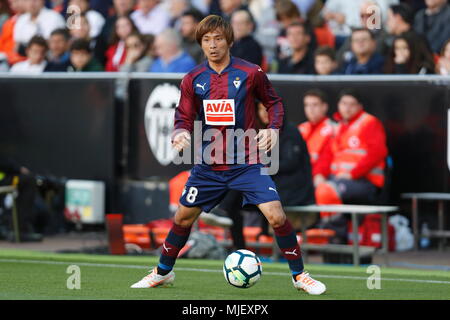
277 221
185 217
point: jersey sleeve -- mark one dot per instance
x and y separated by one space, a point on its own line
267 95
186 111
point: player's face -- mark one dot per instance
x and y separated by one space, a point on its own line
348 107
315 109
215 46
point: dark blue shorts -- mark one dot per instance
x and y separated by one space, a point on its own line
205 188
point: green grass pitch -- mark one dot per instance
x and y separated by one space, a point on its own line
40 276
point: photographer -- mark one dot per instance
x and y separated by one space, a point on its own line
27 189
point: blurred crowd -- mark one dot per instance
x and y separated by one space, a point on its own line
282 36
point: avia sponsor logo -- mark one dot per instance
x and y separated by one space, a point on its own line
219 112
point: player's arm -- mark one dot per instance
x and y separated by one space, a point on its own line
264 91
185 114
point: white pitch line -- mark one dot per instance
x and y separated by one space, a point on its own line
129 266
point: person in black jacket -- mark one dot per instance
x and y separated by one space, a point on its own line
27 190
293 180
245 46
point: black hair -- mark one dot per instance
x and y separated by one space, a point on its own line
62 32
326 51
81 45
317 93
405 11
351 92
194 13
39 41
372 35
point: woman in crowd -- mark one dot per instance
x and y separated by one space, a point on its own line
138 57
116 53
404 58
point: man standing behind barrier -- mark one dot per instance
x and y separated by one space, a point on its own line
317 132
356 156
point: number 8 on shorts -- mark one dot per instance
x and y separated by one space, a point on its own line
192 194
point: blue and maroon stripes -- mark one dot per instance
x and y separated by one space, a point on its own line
240 80
287 242
175 241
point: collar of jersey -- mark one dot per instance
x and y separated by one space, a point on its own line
224 70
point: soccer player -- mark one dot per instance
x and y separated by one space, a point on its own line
238 82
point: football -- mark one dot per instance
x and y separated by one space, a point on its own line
242 268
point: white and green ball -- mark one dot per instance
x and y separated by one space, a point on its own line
242 268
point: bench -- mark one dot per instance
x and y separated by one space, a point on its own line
430 196
355 249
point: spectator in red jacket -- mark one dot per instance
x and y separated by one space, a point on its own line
355 157
116 53
317 132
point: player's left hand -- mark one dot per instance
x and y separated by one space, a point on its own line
267 138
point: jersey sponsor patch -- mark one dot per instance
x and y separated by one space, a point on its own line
220 112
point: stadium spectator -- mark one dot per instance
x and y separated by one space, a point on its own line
171 56
356 160
344 15
188 24
443 65
317 131
96 20
37 20
58 56
341 18
404 59
286 14
96 44
5 12
116 53
81 58
399 23
267 30
228 7
325 61
151 17
138 58
36 51
302 59
305 6
8 53
433 22
121 8
365 59
245 46
101 6
176 10
11 172
344 54
201 5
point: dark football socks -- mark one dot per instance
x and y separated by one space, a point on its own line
287 241
175 241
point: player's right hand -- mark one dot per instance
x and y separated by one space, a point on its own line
181 140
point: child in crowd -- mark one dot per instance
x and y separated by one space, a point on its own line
81 57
